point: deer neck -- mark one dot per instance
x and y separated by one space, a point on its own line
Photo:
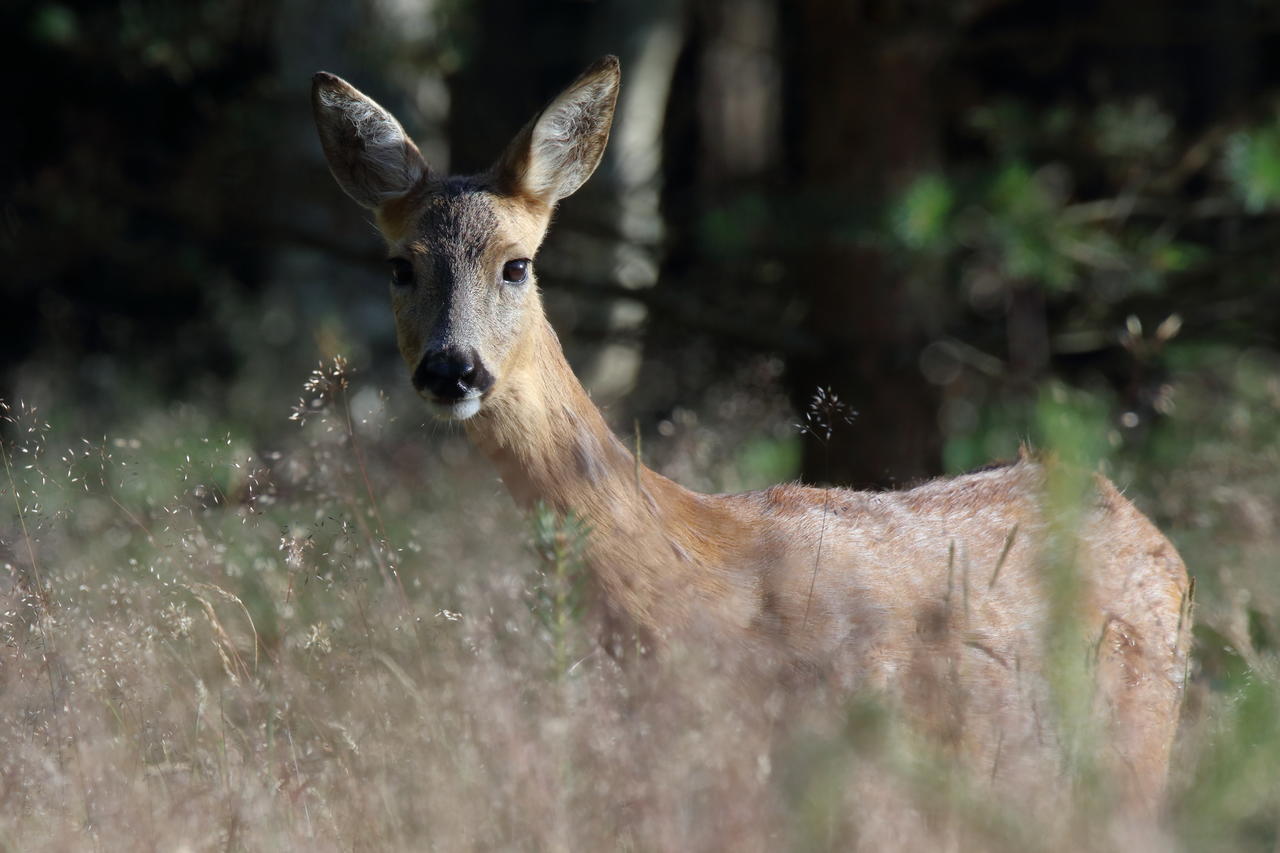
651 541
548 440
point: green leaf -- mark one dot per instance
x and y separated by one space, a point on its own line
1253 165
920 217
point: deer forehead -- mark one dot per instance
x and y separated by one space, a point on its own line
464 221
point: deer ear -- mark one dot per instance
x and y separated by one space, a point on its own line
558 150
368 152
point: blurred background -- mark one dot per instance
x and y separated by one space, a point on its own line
979 223
937 210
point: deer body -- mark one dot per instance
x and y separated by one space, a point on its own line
938 596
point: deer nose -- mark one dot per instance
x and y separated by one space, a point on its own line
451 374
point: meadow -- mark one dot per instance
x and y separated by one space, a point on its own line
328 628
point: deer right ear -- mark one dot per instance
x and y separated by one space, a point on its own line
369 154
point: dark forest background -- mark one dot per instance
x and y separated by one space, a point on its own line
934 209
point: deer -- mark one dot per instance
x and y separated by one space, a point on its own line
896 591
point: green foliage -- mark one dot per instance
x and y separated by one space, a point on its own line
1137 130
1023 228
1083 205
558 590
1034 236
920 217
54 23
1233 801
763 462
1072 425
1253 166
1164 254
731 229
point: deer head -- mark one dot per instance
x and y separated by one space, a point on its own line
461 249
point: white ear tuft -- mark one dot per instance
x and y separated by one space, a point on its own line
369 153
555 153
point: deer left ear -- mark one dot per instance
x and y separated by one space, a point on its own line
369 153
558 150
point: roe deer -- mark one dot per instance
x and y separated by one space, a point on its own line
861 588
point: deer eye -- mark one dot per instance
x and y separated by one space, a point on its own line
515 272
401 272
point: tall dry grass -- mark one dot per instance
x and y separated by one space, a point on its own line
353 641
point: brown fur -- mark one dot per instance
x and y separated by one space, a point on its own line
943 598
905 597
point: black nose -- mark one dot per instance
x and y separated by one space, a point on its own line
451 374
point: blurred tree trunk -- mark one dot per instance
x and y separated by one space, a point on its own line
618 218
861 124
721 141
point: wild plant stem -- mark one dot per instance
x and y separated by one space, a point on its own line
45 639
562 607
364 471
22 522
822 531
41 594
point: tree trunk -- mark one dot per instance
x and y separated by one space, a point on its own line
861 124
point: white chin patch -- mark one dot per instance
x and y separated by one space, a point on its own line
458 411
